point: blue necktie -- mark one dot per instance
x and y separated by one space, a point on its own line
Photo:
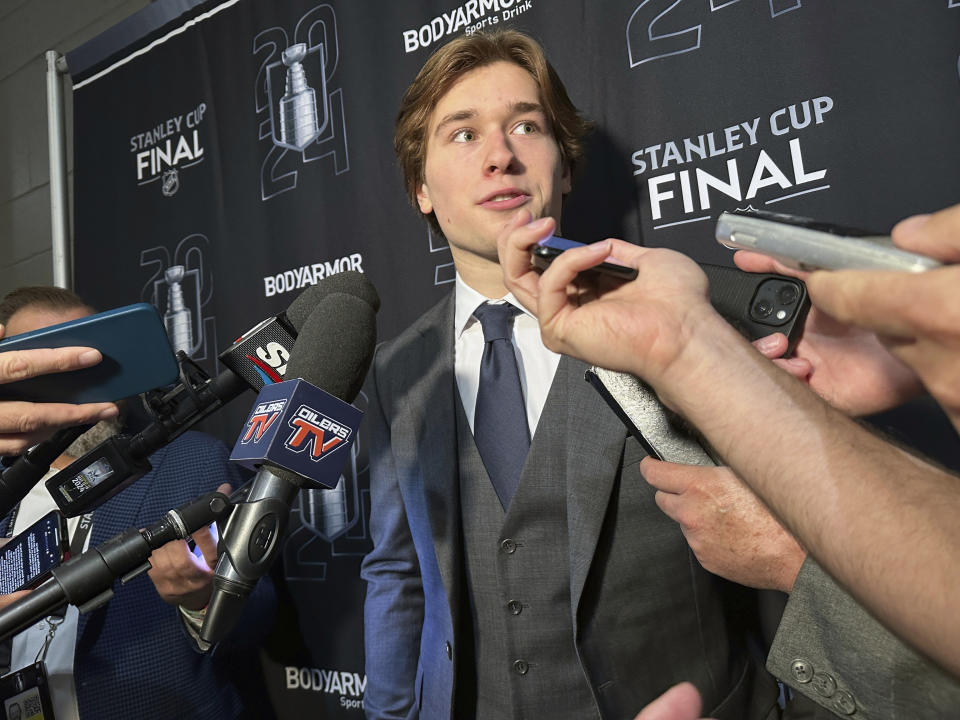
500 420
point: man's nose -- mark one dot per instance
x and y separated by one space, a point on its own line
499 156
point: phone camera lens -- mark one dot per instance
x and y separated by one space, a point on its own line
763 308
787 295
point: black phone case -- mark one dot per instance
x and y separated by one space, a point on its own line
733 293
544 255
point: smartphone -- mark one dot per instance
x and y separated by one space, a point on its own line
806 244
660 432
759 304
548 249
29 556
136 357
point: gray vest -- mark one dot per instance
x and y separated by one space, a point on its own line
517 570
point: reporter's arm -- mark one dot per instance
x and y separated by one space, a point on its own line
878 519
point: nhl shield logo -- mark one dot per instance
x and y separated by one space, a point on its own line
170 183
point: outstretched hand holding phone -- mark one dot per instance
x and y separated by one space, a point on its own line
22 423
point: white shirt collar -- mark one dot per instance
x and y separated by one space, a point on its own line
467 300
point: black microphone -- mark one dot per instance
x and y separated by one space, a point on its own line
333 351
122 459
86 580
22 475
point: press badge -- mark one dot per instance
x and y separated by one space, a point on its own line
26 694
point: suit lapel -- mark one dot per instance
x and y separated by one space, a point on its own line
595 439
437 444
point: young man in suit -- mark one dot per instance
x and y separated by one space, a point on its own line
521 567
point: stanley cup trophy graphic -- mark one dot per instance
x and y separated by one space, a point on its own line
177 319
299 125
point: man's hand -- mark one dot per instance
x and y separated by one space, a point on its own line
11 598
182 578
23 424
730 531
681 702
847 366
916 315
640 326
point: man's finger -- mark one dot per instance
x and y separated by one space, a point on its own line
667 476
21 364
561 274
936 235
208 546
889 303
681 702
772 346
23 424
758 263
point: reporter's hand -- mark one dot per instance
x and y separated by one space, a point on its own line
916 315
846 365
23 424
681 702
730 531
10 598
640 326
179 576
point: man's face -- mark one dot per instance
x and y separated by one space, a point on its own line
490 152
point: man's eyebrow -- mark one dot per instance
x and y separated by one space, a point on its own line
454 117
527 107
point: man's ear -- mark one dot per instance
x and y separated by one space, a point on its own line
423 199
566 180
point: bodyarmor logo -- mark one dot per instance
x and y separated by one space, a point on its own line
315 432
304 117
262 417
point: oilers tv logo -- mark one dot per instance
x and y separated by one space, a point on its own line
262 419
270 362
315 433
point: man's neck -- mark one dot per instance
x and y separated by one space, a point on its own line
484 276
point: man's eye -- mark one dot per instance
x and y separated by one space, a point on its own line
464 136
526 128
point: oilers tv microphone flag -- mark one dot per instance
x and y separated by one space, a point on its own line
299 427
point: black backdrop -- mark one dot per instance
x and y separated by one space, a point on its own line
848 112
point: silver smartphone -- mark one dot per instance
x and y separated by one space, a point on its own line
806 244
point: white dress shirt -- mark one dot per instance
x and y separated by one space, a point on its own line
26 644
537 364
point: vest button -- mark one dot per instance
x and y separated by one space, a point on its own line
515 607
521 667
508 546
449 652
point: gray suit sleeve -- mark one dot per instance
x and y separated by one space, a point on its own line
834 652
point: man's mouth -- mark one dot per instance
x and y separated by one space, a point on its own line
506 199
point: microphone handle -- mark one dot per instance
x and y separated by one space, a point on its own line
86 580
248 545
215 393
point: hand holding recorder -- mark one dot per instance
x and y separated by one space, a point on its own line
872 335
916 316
